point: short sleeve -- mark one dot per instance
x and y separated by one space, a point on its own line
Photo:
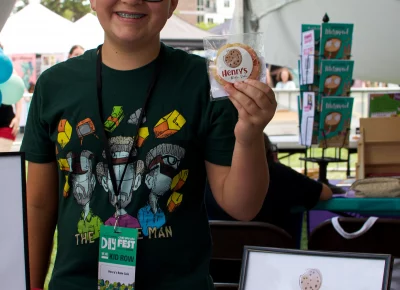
294 187
36 143
219 123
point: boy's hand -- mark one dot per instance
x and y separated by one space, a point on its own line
256 104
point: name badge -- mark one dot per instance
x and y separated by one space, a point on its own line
117 258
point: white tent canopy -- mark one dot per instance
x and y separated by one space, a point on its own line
376 41
36 29
89 33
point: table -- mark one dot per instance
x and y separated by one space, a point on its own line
357 207
290 144
368 206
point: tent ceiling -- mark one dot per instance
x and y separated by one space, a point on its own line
376 41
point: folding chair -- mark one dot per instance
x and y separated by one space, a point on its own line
381 238
229 239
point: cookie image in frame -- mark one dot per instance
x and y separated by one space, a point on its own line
310 280
255 73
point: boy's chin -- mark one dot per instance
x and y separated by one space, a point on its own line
130 39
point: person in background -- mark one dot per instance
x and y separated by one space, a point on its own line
76 50
285 80
269 79
287 189
9 124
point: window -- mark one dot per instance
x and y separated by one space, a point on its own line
200 18
227 3
210 21
200 5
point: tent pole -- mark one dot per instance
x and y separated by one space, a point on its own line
238 18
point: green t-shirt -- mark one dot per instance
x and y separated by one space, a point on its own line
162 193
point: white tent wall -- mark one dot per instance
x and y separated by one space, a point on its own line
6 7
376 40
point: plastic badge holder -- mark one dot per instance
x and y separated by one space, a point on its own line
233 58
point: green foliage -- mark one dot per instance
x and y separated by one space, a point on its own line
70 9
20 4
206 26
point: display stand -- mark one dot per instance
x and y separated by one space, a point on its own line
322 161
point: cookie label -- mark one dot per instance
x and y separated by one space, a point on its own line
234 64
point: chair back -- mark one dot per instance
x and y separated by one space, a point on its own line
382 238
229 239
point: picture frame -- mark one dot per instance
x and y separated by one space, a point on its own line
14 254
288 269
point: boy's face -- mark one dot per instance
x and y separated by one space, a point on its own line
129 21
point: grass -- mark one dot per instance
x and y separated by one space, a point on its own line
335 171
52 260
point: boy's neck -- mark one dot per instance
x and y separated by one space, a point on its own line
128 58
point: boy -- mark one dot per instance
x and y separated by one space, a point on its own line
160 159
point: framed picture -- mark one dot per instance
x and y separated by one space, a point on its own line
284 269
14 262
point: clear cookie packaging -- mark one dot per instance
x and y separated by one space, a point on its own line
234 58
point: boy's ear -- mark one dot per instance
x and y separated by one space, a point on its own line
93 5
172 6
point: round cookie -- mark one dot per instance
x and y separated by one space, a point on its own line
234 59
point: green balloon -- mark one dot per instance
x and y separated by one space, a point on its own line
12 90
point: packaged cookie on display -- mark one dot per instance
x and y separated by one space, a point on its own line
234 58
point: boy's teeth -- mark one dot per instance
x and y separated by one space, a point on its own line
128 15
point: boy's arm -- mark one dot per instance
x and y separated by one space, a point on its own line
42 205
241 188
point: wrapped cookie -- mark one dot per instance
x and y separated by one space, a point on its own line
311 280
234 58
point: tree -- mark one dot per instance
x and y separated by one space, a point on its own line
20 4
70 9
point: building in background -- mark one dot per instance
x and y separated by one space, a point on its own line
207 11
187 10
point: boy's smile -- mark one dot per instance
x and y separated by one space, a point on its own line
130 23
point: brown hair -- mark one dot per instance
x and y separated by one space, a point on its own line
290 75
71 51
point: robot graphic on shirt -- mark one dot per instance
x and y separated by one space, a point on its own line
82 183
162 163
120 148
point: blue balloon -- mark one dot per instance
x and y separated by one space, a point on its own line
6 68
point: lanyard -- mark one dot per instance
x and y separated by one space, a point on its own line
117 188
